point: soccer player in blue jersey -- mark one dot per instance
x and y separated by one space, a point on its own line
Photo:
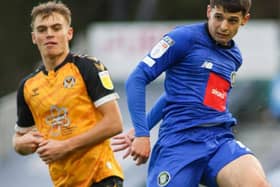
196 143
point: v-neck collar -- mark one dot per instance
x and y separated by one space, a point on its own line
68 58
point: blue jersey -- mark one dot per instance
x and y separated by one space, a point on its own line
199 76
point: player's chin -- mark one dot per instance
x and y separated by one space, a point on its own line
223 40
51 52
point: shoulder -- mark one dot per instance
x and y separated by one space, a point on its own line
237 53
30 76
85 62
187 30
187 33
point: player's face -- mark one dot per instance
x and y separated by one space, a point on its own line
52 34
222 25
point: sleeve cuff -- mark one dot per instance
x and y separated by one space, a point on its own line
23 129
106 99
142 134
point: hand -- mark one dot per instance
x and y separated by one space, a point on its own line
52 150
122 142
27 143
140 149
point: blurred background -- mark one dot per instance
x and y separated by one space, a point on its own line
120 33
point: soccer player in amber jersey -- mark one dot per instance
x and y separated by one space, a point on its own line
196 143
67 108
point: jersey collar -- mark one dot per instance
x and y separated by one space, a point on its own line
69 58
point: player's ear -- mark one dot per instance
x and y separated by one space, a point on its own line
70 33
33 38
208 13
245 19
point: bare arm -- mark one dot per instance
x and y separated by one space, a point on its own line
109 126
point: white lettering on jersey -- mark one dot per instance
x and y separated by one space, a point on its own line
218 93
149 61
207 65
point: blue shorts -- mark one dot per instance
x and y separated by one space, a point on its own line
193 156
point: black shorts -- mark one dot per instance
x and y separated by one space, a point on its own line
109 182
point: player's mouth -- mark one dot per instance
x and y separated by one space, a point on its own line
222 35
49 44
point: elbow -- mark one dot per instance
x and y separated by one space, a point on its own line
15 146
19 148
128 84
135 79
20 151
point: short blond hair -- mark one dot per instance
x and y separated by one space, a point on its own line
46 9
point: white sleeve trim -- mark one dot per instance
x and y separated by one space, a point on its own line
106 98
23 129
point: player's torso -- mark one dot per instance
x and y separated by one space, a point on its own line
198 85
62 108
191 76
59 102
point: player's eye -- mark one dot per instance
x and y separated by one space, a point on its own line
233 20
57 27
219 17
41 29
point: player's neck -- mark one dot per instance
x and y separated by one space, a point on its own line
50 62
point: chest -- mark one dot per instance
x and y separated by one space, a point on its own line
202 60
63 88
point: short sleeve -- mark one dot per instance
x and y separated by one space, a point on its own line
97 79
24 116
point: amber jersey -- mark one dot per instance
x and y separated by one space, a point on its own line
63 103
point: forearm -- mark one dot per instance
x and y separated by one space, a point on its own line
156 113
109 126
92 137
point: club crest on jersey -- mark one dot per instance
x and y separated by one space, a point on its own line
106 80
163 178
161 47
233 78
69 82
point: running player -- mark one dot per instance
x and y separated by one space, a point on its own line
196 143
